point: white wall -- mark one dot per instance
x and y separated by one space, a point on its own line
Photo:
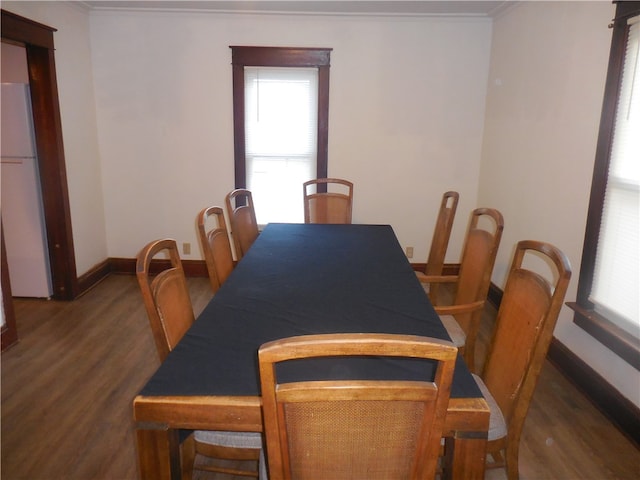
546 83
405 120
77 110
406 116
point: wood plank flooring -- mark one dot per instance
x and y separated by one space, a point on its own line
67 388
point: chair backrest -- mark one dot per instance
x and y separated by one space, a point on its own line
442 233
478 258
346 429
440 239
242 218
325 204
216 246
524 327
166 295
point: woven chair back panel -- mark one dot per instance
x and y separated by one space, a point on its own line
353 439
329 208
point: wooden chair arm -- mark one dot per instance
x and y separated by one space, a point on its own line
457 309
436 278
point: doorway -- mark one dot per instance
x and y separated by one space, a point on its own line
37 39
22 213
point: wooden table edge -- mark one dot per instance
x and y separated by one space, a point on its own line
244 413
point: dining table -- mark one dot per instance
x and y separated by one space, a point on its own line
297 279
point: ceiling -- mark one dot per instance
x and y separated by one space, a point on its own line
477 8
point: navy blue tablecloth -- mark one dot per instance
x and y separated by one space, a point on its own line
302 279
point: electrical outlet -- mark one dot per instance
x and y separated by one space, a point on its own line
409 252
186 248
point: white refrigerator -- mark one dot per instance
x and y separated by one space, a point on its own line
21 197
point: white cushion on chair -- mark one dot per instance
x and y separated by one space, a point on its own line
229 439
235 439
455 331
497 425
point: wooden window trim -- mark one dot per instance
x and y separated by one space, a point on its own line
279 57
610 335
616 339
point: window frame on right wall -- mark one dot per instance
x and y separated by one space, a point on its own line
623 343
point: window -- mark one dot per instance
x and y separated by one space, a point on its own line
608 305
281 116
281 106
615 286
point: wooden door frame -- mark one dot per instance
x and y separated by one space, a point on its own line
38 42
9 330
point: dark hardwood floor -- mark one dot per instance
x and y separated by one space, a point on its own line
67 388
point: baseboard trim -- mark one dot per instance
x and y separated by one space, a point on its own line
94 276
618 409
494 295
447 269
192 268
127 266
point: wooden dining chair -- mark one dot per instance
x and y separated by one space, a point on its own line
215 245
462 317
165 294
523 330
242 219
168 305
354 429
440 242
327 200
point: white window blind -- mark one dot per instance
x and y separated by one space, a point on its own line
281 113
616 285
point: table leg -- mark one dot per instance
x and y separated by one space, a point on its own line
158 453
465 456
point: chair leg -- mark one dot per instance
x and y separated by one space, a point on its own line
472 331
498 459
511 460
188 457
469 354
433 293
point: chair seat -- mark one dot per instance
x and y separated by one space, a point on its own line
455 331
229 439
497 425
235 440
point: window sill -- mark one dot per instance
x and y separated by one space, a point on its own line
610 335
